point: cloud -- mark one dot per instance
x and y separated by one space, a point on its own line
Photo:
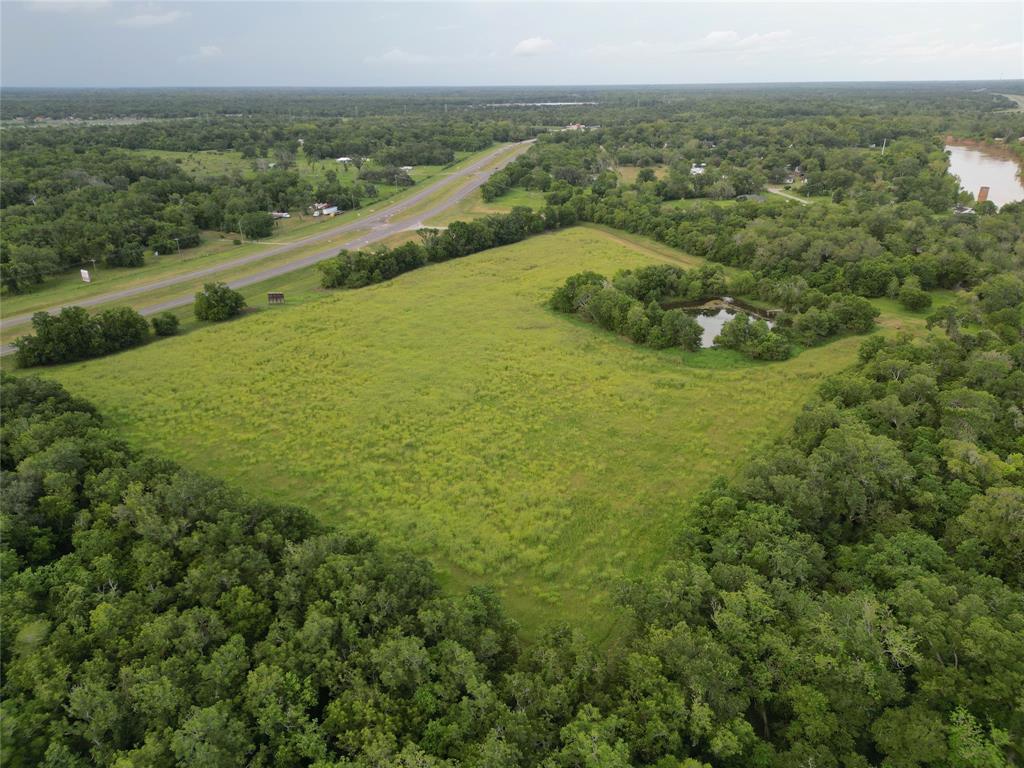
69 6
397 56
150 19
533 46
204 53
725 41
634 48
924 47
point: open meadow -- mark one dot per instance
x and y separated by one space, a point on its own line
451 411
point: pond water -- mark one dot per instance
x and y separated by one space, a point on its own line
712 320
977 168
712 314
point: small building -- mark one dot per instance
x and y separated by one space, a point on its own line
280 215
962 209
698 169
343 160
406 168
275 298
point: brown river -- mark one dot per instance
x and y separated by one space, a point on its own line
977 167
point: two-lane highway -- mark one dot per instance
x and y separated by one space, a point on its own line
383 223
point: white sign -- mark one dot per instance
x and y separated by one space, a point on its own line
85 276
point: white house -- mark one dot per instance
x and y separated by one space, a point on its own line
696 169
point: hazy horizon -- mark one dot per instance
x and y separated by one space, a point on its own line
106 43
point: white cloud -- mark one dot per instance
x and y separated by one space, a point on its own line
150 19
69 6
923 47
533 46
204 53
724 41
397 56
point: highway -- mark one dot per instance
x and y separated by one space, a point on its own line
384 223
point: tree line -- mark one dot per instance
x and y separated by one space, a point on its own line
73 334
356 269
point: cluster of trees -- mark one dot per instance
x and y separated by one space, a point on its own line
461 238
854 598
753 337
595 299
631 305
74 334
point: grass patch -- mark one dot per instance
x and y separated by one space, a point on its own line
628 173
449 410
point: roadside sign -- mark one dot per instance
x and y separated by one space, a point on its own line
85 276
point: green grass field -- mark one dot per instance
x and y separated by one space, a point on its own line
450 411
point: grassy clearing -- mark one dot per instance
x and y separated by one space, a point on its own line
696 202
474 207
628 173
450 411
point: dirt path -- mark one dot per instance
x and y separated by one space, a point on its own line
788 196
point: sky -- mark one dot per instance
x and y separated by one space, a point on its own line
118 43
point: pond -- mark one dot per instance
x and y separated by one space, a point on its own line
979 168
713 314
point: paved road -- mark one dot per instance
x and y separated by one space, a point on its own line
384 223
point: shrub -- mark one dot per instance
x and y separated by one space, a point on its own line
912 297
853 313
218 302
121 328
566 296
165 324
130 255
679 329
815 325
257 224
755 339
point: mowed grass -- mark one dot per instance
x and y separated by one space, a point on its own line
450 411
